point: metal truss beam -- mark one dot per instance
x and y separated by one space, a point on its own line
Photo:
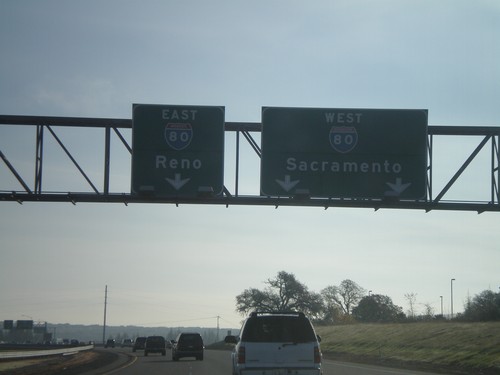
37 194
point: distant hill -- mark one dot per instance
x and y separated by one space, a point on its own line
94 333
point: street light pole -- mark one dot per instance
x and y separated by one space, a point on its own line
104 325
441 305
452 280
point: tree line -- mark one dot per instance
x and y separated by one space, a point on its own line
349 302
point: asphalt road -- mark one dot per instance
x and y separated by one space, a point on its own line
219 363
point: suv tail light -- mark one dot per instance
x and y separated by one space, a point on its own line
241 355
317 355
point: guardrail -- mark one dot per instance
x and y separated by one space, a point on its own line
18 354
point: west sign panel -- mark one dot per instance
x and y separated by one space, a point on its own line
344 153
177 151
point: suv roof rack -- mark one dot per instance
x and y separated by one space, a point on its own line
254 314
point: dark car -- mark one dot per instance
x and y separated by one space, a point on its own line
187 345
110 343
155 344
127 343
139 343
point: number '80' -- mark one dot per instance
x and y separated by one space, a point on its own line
178 136
343 139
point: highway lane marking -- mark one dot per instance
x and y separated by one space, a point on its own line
134 359
374 368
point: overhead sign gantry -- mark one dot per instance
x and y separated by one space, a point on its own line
167 187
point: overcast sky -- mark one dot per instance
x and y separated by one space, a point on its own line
167 265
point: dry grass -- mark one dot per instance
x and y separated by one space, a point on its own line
460 345
50 365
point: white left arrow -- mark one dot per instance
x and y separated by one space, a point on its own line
177 182
397 188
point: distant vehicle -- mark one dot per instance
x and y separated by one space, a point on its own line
187 345
74 342
139 343
110 343
155 344
281 342
127 343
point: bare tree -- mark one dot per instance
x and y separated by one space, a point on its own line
345 296
288 291
412 301
253 299
428 311
283 293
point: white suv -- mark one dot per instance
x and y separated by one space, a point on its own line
276 343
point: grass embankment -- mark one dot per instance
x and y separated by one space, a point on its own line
468 346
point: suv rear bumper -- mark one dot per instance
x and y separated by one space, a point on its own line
187 353
155 350
279 371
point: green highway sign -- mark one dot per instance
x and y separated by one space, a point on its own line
177 151
344 153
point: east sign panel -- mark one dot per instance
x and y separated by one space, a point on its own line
344 153
177 151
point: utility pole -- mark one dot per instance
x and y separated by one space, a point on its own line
452 280
218 317
105 304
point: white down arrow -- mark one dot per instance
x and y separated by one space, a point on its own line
177 182
397 188
287 184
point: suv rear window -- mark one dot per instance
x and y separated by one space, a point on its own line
155 340
191 339
278 329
